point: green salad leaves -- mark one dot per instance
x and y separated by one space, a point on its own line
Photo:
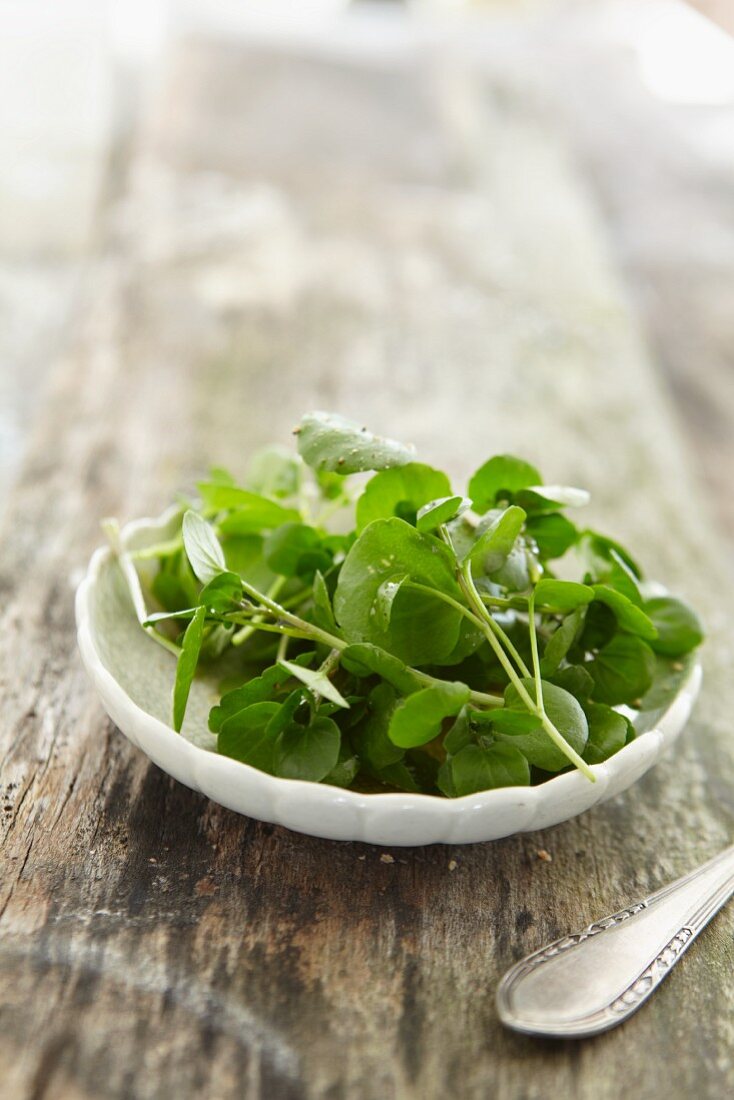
387 633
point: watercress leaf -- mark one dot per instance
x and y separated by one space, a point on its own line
259 689
295 549
418 719
275 472
246 737
444 779
327 441
286 712
603 546
243 554
423 629
436 512
372 741
202 547
317 681
623 670
553 534
600 626
565 713
670 674
561 641
608 566
476 769
344 771
461 732
505 720
562 596
323 614
548 498
514 574
574 679
502 476
629 616
607 733
309 752
493 546
384 600
364 659
678 627
401 777
247 513
186 665
400 491
221 593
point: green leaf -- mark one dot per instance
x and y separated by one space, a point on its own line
494 545
203 550
548 498
574 679
679 628
244 555
418 719
248 737
260 689
295 550
248 513
437 512
476 769
607 733
372 741
461 732
604 547
423 629
384 600
502 476
364 659
275 472
622 670
561 641
562 596
553 533
327 441
565 713
317 681
609 566
344 771
629 617
670 675
400 491
186 666
323 614
221 593
513 721
309 752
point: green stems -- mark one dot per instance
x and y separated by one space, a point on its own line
534 706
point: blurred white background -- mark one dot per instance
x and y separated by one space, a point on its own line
74 76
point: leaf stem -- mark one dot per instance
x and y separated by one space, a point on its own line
470 591
555 735
534 651
247 631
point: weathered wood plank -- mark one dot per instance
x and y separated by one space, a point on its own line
406 243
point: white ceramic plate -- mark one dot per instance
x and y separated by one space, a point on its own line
133 677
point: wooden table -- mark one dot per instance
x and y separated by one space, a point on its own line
403 239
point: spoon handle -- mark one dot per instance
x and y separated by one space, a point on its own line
593 980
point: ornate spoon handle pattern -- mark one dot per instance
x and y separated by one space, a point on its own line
593 980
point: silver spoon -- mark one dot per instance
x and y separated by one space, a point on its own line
593 980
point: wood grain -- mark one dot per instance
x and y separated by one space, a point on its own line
406 242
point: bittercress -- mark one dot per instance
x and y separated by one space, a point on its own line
371 627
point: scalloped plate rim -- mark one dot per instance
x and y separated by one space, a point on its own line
314 797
